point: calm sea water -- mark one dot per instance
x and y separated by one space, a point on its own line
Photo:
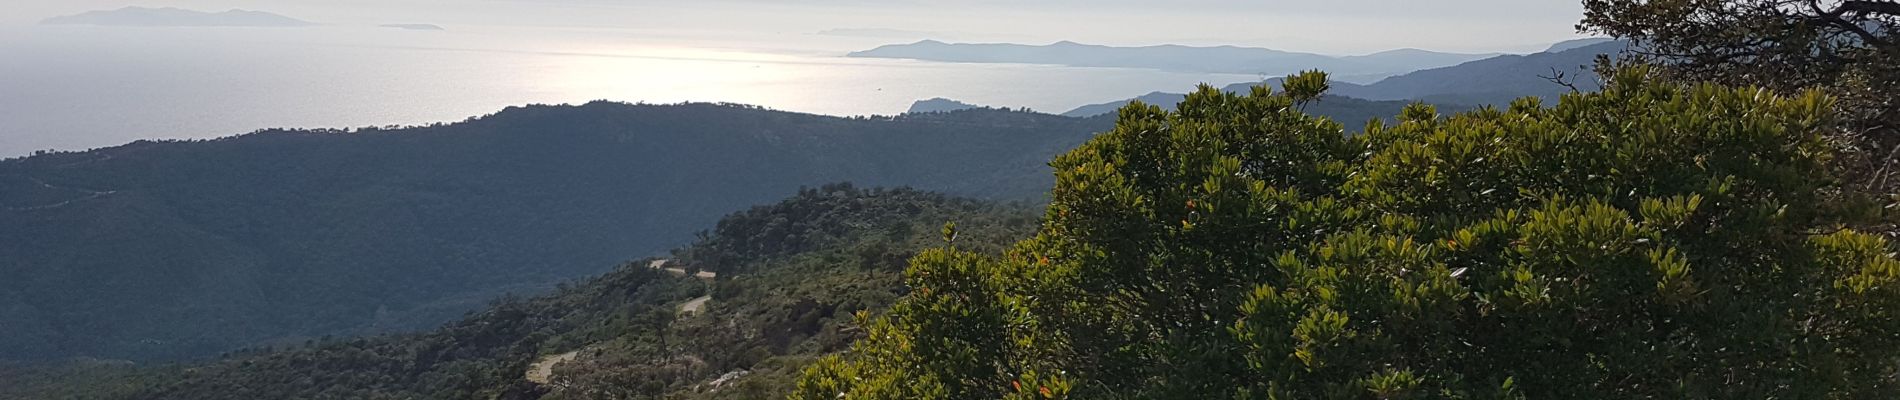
73 88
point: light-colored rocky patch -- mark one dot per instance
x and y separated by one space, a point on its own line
542 371
695 305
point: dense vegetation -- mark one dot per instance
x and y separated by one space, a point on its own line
790 276
176 250
1846 48
1352 114
1659 238
170 250
1653 240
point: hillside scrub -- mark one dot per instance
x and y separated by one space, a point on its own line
1651 240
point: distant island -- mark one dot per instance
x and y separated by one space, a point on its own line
176 17
415 27
939 105
1219 59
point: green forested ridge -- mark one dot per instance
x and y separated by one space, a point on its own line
1653 240
790 276
169 250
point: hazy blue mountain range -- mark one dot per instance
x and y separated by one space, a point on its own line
1221 59
168 16
1495 81
1403 60
184 249
1576 43
1163 99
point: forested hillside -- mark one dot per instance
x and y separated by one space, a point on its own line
1717 217
171 250
789 278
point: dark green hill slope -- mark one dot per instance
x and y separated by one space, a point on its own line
790 276
170 250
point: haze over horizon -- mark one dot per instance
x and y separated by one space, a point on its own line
1461 26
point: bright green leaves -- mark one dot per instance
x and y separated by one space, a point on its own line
1306 86
1418 113
1319 331
1643 242
949 232
1399 384
1672 281
1862 264
1669 213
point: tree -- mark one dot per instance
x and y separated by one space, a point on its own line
1847 48
1653 240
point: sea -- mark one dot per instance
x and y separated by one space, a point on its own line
65 88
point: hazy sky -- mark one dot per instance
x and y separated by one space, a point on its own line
1332 26
56 82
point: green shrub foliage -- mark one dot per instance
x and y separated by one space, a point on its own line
1651 240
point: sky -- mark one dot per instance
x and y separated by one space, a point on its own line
1328 27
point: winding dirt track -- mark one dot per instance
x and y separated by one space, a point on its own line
695 305
542 371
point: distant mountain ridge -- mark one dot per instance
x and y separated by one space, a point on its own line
1490 81
1496 80
176 17
1576 43
1217 59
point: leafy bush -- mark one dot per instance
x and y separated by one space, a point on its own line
1649 241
